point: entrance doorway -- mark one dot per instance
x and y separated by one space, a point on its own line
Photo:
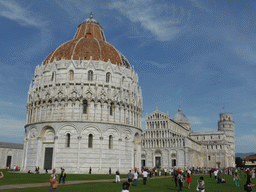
48 158
143 163
157 162
218 164
9 161
173 162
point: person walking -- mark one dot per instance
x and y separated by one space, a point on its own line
237 178
175 176
188 180
249 184
129 176
180 178
145 175
64 176
109 171
117 176
218 176
61 175
90 170
135 178
53 181
215 174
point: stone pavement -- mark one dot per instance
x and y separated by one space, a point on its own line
34 185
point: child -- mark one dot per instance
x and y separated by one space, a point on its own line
188 180
200 185
237 179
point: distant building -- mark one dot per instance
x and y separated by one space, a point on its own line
10 154
249 160
170 143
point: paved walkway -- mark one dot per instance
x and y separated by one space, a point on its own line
34 185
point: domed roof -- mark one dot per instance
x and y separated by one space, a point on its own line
89 43
180 117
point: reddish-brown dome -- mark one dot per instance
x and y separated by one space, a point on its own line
89 41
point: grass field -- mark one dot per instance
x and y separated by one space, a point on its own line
162 185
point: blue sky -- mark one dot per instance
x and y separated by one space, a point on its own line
199 55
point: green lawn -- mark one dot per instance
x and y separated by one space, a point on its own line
24 178
163 184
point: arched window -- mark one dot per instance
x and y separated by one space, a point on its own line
84 106
90 141
71 75
111 108
110 142
90 75
108 75
123 79
53 76
68 140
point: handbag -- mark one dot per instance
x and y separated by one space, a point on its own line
201 187
54 186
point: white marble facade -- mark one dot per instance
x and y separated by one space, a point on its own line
11 155
84 113
170 143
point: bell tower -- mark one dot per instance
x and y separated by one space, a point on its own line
227 125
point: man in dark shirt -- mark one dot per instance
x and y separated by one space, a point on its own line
129 177
249 184
175 176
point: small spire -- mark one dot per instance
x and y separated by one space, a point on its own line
91 15
156 108
179 110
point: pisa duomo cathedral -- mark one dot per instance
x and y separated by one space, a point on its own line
84 109
171 143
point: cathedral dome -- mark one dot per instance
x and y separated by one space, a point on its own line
180 117
88 43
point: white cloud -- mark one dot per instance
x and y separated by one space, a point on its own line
13 11
162 20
